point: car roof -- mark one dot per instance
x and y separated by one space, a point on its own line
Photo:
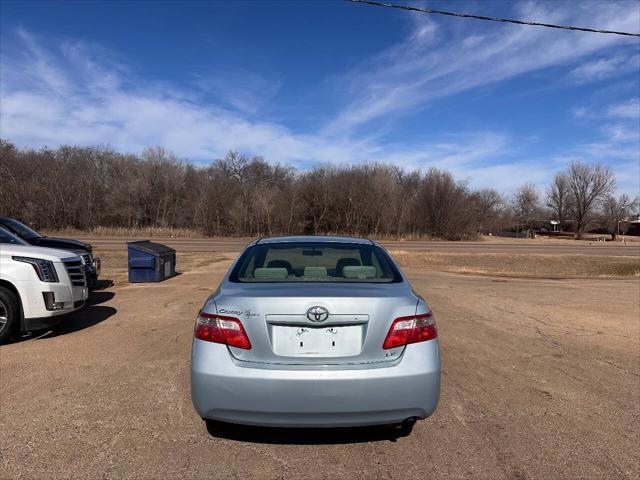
314 239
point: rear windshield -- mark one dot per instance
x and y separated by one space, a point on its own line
315 262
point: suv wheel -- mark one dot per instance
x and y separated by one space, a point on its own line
8 313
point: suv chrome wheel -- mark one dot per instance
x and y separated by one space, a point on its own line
9 313
4 315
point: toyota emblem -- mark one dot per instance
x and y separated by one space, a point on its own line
317 314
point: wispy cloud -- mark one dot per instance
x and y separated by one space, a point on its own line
242 90
622 132
627 109
605 68
78 93
423 68
90 103
618 142
37 65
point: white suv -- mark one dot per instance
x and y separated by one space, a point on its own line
37 285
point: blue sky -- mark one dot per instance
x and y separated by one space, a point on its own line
310 82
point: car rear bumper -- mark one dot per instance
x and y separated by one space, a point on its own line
221 389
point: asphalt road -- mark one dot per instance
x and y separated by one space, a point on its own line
524 247
541 379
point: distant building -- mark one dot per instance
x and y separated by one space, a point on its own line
633 227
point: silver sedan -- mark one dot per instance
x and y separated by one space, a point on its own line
315 332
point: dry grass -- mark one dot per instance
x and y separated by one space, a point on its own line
146 232
522 265
589 238
114 264
152 232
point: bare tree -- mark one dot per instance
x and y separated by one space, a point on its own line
404 200
526 205
589 186
616 210
558 197
487 204
316 188
443 206
241 195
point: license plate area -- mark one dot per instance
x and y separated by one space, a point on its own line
305 341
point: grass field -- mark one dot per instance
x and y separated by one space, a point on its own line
510 265
154 232
522 265
145 232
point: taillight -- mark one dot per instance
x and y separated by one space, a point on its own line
413 329
219 329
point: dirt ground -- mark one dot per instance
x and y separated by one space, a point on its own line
540 380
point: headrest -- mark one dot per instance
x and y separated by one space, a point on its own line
359 272
280 264
315 271
346 262
271 273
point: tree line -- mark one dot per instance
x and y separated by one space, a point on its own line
88 187
579 198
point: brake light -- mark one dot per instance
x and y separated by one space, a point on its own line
220 329
413 329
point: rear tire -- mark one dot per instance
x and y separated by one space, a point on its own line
9 314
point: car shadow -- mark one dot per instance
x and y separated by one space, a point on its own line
84 318
102 284
98 297
306 436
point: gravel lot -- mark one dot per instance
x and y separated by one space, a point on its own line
540 380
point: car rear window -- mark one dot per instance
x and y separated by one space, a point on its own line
315 262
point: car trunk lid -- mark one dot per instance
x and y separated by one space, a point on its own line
316 324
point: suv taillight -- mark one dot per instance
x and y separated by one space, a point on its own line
413 329
219 329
